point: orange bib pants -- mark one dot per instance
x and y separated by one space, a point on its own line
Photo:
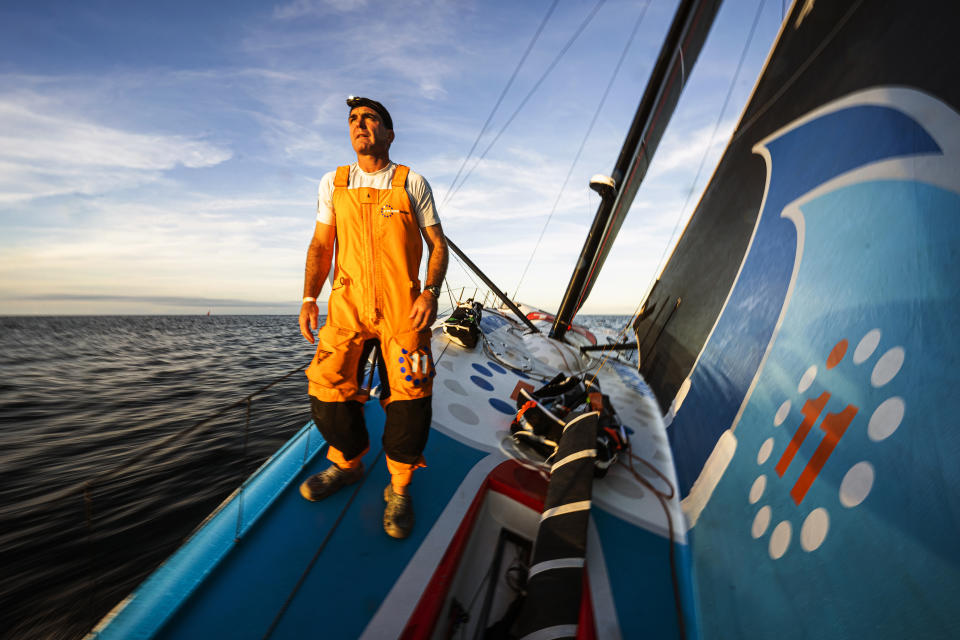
375 283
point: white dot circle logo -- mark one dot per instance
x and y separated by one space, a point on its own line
765 449
808 377
780 540
782 413
814 529
756 491
830 417
886 419
887 367
856 484
866 347
760 522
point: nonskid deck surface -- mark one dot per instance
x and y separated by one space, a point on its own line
321 568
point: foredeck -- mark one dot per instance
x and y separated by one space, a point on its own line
328 569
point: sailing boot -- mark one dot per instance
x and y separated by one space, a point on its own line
319 486
398 514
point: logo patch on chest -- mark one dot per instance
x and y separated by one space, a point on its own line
387 211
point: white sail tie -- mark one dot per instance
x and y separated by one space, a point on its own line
586 453
583 505
559 563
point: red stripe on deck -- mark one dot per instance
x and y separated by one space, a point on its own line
512 480
586 630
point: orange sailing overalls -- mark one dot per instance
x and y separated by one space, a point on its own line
375 283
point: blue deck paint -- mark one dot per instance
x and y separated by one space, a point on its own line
354 572
638 566
156 600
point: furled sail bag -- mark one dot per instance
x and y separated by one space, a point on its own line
543 414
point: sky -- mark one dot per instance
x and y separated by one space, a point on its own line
163 157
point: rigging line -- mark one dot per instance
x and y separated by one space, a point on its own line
703 159
483 129
320 549
550 68
716 126
465 270
651 124
583 143
800 70
674 573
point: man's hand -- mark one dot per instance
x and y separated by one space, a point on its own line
309 313
424 311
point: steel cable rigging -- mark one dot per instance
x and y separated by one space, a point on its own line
503 93
583 25
583 143
743 54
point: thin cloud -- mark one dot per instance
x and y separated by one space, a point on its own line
683 149
62 139
402 42
45 150
318 8
175 301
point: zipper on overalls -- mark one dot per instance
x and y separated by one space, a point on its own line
376 221
370 294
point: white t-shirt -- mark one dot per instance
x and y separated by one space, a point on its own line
417 188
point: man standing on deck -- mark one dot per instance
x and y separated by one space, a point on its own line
377 212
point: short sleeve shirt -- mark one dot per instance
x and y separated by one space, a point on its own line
417 188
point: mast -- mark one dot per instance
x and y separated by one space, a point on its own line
680 50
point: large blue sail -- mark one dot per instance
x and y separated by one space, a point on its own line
808 373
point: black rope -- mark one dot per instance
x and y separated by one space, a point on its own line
583 143
320 549
550 68
496 106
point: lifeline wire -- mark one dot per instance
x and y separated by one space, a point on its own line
159 447
583 143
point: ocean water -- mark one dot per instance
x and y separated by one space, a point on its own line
104 469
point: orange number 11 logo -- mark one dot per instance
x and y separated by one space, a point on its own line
834 425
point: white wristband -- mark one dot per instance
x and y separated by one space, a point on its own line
309 299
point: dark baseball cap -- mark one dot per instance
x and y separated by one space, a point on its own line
353 102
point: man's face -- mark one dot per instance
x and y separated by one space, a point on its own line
367 132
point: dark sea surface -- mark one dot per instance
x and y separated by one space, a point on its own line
111 404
